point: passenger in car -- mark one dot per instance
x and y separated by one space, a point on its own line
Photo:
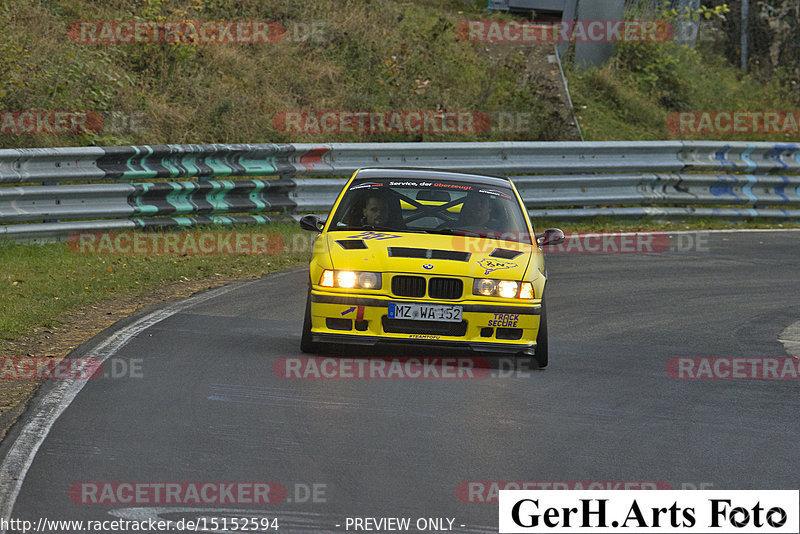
476 211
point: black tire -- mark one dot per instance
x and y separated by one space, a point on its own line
306 345
542 358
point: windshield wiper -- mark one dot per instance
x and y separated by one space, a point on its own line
381 228
453 231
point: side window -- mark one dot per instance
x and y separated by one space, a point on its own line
348 213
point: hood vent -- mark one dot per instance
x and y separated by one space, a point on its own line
505 253
352 244
428 254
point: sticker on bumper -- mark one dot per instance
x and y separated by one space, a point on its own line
504 319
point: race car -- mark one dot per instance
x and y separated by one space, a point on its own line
420 256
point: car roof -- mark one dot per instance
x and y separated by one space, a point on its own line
431 174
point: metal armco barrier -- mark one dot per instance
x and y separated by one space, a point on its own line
52 192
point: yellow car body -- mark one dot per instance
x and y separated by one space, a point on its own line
422 280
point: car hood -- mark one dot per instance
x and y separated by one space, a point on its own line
447 255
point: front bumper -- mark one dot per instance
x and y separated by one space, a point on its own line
485 326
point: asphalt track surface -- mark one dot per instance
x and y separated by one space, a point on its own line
206 405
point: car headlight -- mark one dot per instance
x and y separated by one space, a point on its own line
508 289
350 279
367 280
347 279
485 287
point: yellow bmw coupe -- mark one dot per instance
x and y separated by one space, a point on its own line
420 256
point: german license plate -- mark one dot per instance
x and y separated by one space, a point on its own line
425 312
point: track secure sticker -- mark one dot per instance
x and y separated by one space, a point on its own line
505 319
490 265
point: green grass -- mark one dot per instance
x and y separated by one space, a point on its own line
631 97
361 56
38 283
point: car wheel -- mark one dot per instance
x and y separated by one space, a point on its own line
306 345
541 355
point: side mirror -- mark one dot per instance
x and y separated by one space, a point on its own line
311 223
551 236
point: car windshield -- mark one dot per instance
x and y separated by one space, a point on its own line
434 206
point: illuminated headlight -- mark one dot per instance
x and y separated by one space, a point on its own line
508 289
346 279
350 279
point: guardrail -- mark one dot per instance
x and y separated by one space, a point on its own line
52 192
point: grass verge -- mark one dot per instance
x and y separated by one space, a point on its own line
637 95
40 282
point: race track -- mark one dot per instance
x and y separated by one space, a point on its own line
204 404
